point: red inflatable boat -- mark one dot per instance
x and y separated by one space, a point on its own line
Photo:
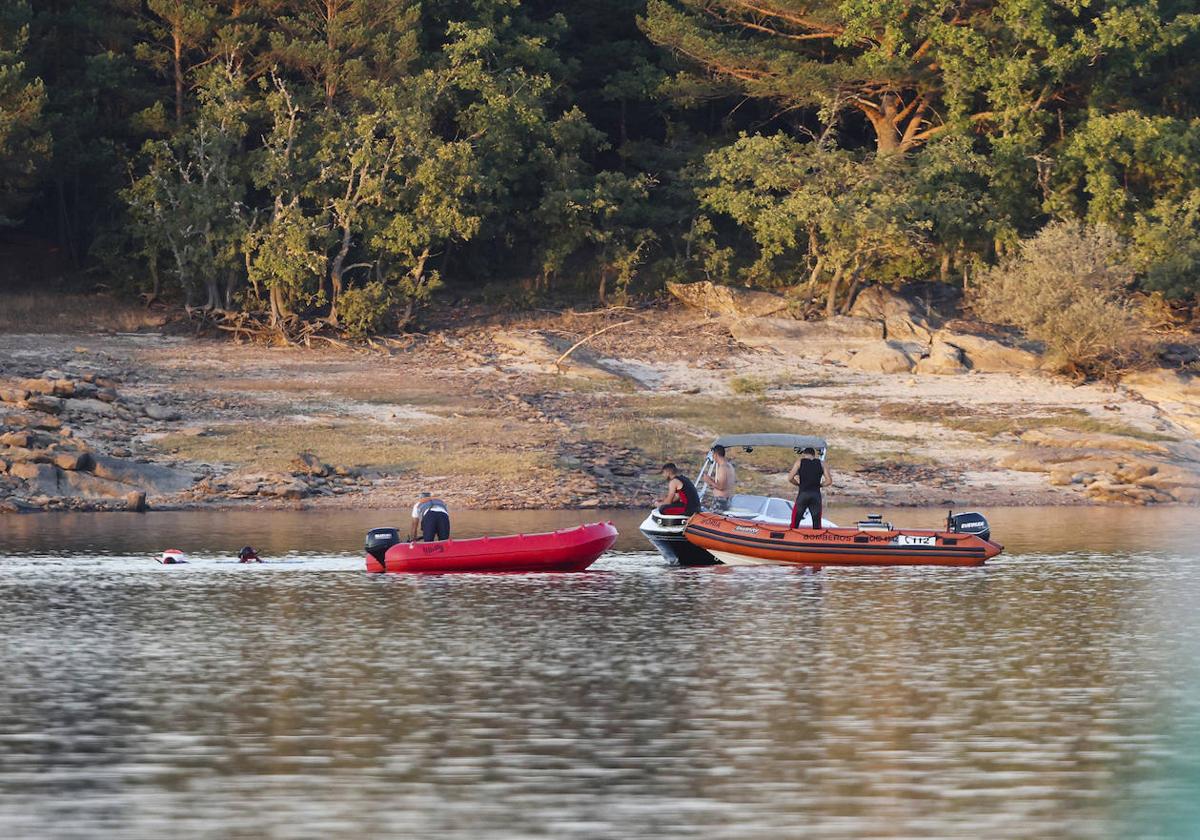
571 550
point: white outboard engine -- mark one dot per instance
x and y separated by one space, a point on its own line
379 540
969 523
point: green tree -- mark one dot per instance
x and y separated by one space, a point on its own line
911 70
189 201
24 144
816 211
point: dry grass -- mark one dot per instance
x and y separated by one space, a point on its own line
462 448
73 313
753 385
969 419
376 389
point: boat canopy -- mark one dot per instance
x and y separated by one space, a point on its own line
796 442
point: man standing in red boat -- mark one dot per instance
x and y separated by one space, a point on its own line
431 518
682 498
809 474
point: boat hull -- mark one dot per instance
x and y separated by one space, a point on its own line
571 550
676 549
740 543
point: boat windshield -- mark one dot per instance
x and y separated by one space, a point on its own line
760 507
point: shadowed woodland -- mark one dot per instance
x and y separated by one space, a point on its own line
336 162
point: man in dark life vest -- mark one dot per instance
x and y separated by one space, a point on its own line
431 517
682 498
809 474
248 555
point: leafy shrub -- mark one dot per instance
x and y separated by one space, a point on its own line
1066 287
368 309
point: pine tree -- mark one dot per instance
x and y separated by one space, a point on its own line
24 144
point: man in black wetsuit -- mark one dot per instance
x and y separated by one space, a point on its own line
682 498
809 474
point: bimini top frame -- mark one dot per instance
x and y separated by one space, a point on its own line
796 442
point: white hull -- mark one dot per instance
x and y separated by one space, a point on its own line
741 560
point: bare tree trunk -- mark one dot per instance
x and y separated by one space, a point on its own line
336 269
231 284
852 292
831 298
212 292
177 40
944 267
279 308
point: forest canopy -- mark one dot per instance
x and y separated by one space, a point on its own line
341 159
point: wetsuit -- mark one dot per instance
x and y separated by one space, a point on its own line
808 497
689 499
434 517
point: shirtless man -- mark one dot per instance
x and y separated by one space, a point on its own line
722 480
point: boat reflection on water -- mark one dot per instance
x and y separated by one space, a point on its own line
1051 693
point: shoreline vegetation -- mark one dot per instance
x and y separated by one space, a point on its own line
524 251
919 410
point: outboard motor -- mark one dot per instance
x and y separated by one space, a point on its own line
874 522
379 540
969 523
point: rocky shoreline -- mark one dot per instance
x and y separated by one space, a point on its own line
919 410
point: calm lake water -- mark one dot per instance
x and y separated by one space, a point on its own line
1054 693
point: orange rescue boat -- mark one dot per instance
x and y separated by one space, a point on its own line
966 541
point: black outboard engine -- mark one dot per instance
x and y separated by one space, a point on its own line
969 523
379 540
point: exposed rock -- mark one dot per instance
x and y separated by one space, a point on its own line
89 486
990 356
33 421
155 479
943 360
1186 495
292 489
91 406
21 439
106 394
882 304
538 348
159 412
1170 477
310 464
41 478
57 387
23 455
883 357
75 461
43 403
840 356
1175 393
730 301
13 395
807 338
902 328
135 501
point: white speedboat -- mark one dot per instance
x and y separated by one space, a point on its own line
665 532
